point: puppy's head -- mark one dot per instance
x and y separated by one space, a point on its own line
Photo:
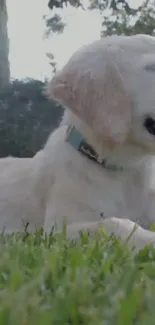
110 86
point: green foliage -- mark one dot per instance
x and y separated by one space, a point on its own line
26 118
121 17
128 21
63 3
94 280
54 24
111 4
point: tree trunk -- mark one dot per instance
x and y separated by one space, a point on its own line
4 46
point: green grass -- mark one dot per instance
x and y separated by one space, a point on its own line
95 280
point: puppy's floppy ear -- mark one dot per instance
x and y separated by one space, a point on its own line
95 92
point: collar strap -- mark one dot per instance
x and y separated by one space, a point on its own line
78 142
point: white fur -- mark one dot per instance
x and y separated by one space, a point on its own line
108 88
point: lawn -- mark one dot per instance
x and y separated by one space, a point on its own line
95 280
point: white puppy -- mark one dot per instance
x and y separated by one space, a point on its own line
98 163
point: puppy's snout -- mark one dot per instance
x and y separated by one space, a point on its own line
149 125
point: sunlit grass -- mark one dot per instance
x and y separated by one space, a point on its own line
94 280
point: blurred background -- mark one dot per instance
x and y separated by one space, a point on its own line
36 39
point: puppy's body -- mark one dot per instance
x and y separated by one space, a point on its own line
108 89
19 203
64 185
83 190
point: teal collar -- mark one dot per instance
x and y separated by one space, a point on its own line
78 142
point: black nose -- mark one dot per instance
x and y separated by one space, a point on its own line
149 124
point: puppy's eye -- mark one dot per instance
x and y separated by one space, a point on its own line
149 124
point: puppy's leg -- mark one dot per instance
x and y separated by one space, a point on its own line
75 222
122 228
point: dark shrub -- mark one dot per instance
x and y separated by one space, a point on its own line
26 118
